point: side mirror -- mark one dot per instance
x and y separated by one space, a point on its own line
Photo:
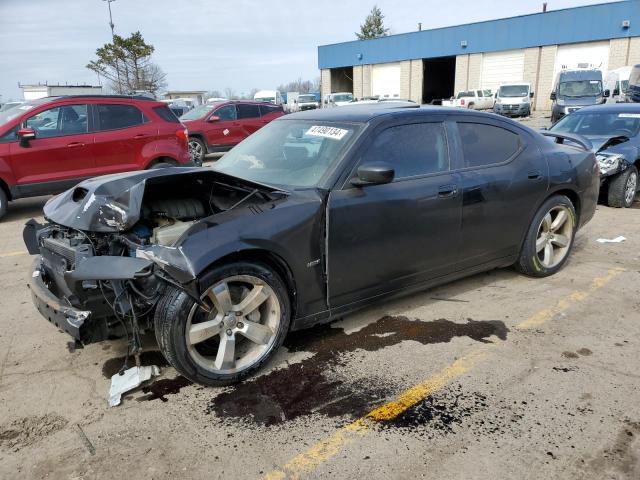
295 101
530 94
616 91
553 96
374 174
607 93
213 118
25 135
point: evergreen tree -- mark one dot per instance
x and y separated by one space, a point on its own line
373 26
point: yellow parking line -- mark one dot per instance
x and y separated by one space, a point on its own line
306 462
13 254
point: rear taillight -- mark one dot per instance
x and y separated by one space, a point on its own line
462 101
183 135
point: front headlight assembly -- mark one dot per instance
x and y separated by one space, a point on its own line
609 163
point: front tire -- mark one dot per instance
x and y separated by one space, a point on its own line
550 237
197 150
3 203
247 319
622 188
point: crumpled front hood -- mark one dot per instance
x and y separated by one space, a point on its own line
112 203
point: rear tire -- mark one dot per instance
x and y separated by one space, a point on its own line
622 188
248 318
3 203
550 237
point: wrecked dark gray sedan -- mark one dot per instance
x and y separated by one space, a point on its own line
317 214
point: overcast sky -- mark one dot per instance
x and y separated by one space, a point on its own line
212 44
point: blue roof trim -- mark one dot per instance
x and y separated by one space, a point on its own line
571 25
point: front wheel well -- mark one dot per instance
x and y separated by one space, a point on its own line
268 259
5 188
171 161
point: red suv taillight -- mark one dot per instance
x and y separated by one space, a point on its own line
183 134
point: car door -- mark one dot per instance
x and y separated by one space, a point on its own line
249 118
61 150
122 134
269 113
385 237
226 130
503 178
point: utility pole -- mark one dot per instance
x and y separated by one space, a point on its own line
113 34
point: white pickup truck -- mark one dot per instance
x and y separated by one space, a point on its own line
474 99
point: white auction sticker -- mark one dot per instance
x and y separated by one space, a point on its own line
629 115
327 132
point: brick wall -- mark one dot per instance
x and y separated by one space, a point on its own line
545 77
366 80
634 51
416 81
325 82
462 66
357 81
618 51
475 70
405 79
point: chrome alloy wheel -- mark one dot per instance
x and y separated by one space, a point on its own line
554 236
630 188
196 151
238 326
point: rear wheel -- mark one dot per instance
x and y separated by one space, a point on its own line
243 321
197 150
623 188
3 203
549 239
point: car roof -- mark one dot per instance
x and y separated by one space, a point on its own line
366 112
611 108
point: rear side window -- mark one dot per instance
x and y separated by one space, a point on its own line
246 110
112 117
166 114
486 144
267 109
416 149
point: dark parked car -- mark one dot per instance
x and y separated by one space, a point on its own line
317 214
614 131
50 144
217 127
574 89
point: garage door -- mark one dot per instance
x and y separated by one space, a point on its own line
582 55
385 80
501 67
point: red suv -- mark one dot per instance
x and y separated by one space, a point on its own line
50 144
217 127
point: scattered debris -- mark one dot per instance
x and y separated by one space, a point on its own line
128 380
85 440
611 240
565 369
28 430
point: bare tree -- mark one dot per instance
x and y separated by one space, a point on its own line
230 93
301 86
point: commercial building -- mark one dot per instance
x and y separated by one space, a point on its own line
438 63
197 95
41 90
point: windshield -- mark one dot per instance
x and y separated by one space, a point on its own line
466 94
288 153
625 85
580 88
10 113
9 106
513 91
600 124
345 97
306 98
198 112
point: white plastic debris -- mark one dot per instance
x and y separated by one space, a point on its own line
130 379
611 240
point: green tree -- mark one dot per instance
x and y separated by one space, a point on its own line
126 64
373 26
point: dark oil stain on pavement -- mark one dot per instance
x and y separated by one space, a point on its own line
160 388
315 385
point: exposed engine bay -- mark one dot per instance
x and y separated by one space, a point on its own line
103 281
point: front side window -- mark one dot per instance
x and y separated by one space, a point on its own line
415 149
226 113
59 121
484 144
112 117
246 110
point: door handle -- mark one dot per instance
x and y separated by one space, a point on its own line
534 175
75 144
140 135
447 191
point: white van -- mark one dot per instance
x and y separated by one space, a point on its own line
617 82
271 96
338 99
513 99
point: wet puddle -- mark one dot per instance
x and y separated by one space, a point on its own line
315 386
